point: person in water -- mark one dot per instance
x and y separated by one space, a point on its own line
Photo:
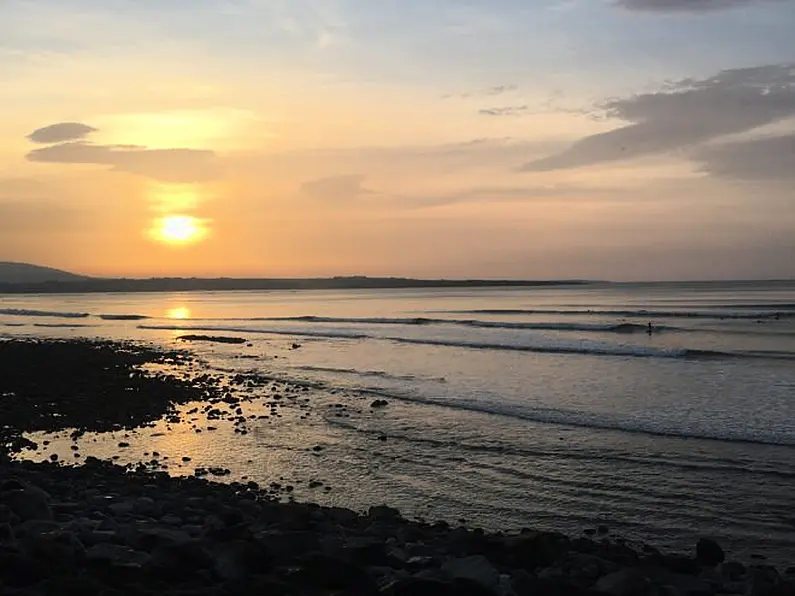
650 329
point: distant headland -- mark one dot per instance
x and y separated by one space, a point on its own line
23 278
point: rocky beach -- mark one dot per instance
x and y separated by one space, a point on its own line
78 525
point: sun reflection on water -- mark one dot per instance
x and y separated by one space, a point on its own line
179 312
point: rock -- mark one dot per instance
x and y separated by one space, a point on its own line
8 538
709 553
116 555
123 508
148 539
731 570
28 502
685 585
379 403
531 550
235 560
56 548
415 586
382 512
145 505
475 568
627 582
333 573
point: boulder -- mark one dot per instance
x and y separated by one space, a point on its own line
26 501
476 568
116 555
627 582
709 553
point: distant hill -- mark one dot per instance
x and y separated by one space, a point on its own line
24 273
48 282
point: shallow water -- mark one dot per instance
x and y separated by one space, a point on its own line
543 407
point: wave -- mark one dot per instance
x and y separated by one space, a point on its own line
291 333
21 312
552 326
361 373
660 314
578 419
123 317
585 350
63 325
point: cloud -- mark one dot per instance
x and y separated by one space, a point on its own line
684 114
167 165
505 111
686 5
61 132
335 187
764 159
485 92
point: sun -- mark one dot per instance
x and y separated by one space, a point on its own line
178 229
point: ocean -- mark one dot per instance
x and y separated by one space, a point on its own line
549 408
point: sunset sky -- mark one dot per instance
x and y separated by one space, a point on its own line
609 139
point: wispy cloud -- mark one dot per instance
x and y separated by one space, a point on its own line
769 159
685 114
505 111
485 92
343 187
687 5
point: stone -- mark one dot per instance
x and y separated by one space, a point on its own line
28 502
418 587
235 560
8 538
732 570
116 555
627 582
531 550
476 568
709 553
334 573
382 512
56 548
123 508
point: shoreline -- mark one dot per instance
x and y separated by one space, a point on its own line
109 522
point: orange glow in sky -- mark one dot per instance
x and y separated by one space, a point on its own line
453 140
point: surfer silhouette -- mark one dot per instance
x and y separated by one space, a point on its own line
650 329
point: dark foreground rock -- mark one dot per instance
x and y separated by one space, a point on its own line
104 529
87 386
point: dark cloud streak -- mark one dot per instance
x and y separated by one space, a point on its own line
61 132
167 165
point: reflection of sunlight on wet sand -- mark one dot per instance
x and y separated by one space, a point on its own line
176 314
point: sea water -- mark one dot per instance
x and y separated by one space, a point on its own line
544 407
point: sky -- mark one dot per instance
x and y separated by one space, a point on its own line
533 139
